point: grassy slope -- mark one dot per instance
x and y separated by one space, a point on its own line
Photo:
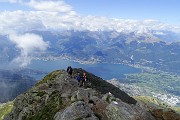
5 109
156 102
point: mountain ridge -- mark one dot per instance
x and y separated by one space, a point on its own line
59 97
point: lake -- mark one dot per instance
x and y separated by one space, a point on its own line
104 70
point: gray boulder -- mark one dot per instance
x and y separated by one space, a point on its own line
84 94
109 97
77 110
124 111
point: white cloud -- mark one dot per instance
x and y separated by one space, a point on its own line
51 6
57 15
30 45
12 1
19 21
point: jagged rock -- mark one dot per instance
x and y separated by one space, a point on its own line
123 111
120 112
94 99
161 114
142 112
109 97
157 110
74 97
84 95
77 110
91 118
99 108
43 86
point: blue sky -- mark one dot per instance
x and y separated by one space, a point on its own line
162 10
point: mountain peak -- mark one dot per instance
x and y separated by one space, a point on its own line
59 97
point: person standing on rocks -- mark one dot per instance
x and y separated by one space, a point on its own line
84 79
78 78
69 71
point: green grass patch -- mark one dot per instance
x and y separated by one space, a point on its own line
50 76
148 99
177 109
5 109
41 93
48 111
155 101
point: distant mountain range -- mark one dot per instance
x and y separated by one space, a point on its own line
157 49
13 84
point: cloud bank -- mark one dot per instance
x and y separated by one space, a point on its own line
57 15
29 45
51 6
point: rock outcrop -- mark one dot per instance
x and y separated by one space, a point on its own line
59 97
159 110
76 110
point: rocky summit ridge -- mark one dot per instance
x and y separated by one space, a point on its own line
59 97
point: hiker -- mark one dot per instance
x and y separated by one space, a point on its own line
69 71
84 79
78 78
